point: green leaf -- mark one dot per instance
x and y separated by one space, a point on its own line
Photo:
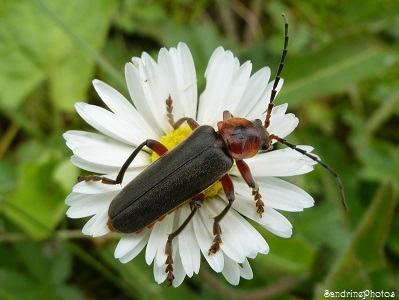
8 176
380 161
35 50
38 204
293 255
364 254
15 285
137 278
37 270
66 292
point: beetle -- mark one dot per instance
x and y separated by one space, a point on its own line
182 174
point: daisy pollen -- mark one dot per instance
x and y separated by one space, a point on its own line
194 223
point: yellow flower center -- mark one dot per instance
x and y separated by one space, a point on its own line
174 138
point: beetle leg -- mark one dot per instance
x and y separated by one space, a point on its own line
190 121
155 146
246 174
197 200
228 188
169 108
103 179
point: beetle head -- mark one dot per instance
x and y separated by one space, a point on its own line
243 138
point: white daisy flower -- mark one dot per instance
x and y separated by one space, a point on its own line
229 86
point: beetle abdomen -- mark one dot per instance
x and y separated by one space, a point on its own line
188 169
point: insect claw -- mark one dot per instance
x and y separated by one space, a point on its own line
89 178
215 247
169 262
258 201
97 178
169 268
170 278
260 207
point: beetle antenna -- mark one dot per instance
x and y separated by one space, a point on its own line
316 159
280 68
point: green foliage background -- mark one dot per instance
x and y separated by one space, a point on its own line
341 80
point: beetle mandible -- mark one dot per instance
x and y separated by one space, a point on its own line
183 173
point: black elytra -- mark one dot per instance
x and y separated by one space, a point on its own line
170 181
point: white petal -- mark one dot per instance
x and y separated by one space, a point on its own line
111 155
259 111
243 235
75 138
129 242
236 89
95 188
251 98
188 78
154 92
277 194
83 205
92 167
148 91
87 228
100 154
97 225
283 162
282 126
157 241
123 109
279 110
283 195
178 271
109 124
231 271
167 228
231 245
100 227
188 247
135 82
176 67
276 223
271 219
246 271
152 245
219 59
74 198
134 252
203 224
115 101
159 273
226 83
